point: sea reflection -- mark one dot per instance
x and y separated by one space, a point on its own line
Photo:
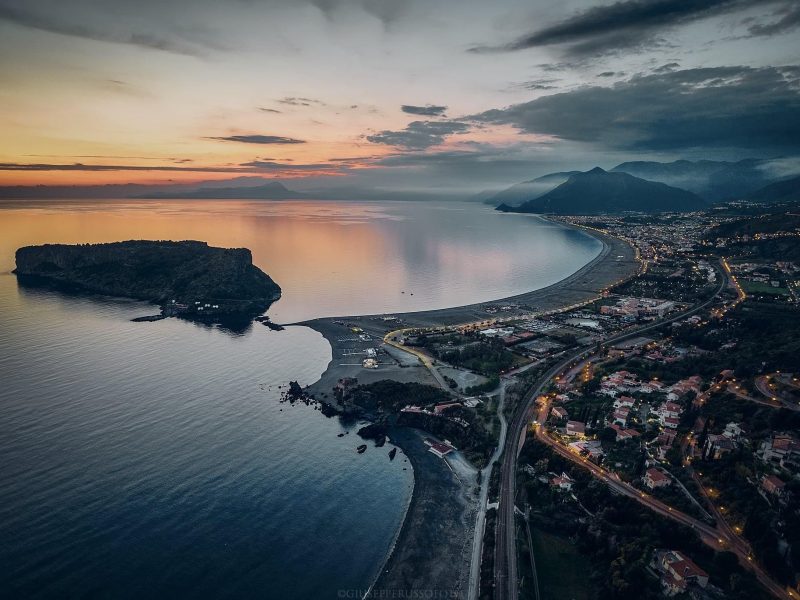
332 258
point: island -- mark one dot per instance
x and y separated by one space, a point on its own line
187 279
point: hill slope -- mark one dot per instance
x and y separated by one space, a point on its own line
601 192
710 179
521 192
781 191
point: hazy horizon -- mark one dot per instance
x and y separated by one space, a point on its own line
419 98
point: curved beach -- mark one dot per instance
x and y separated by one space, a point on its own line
432 550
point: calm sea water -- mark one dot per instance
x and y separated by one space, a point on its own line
153 460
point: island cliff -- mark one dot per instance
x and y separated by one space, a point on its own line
188 278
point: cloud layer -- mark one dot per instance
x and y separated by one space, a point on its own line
757 109
258 139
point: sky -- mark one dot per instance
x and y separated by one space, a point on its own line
452 96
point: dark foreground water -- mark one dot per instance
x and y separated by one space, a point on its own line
154 460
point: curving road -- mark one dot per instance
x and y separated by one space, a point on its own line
506 580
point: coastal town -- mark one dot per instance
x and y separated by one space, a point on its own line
641 397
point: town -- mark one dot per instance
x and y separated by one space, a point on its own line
672 396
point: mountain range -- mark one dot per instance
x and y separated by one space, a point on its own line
603 192
707 181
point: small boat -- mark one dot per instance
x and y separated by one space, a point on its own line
361 449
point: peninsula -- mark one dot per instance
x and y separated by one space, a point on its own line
188 279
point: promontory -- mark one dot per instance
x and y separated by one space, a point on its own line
187 278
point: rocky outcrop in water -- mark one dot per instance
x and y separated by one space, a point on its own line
189 278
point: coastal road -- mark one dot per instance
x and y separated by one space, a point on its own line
505 567
480 521
391 339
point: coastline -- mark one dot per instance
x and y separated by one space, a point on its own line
445 561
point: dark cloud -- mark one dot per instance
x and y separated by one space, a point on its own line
83 167
537 84
254 166
269 110
721 107
429 110
299 101
627 24
667 68
611 74
271 165
419 135
258 139
48 22
788 19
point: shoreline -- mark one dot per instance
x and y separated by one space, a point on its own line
615 262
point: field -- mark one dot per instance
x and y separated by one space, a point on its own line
758 287
562 571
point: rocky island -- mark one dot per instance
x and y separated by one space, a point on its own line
188 279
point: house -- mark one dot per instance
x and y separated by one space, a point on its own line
733 431
438 448
624 434
591 448
772 485
624 402
557 412
671 423
563 482
782 449
717 446
678 572
440 408
620 416
576 428
653 478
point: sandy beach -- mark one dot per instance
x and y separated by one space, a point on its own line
434 544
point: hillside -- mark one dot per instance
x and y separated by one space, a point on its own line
781 191
710 179
161 272
601 192
527 190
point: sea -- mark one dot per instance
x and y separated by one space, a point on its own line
156 459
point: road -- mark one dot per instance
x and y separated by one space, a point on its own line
480 521
391 339
506 581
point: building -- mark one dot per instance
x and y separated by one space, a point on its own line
783 450
678 572
558 412
670 423
772 485
440 408
654 478
717 446
576 428
438 448
620 416
563 482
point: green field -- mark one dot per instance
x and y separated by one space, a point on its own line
758 287
562 571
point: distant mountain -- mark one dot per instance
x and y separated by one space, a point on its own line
602 192
713 180
521 192
259 188
270 191
787 190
